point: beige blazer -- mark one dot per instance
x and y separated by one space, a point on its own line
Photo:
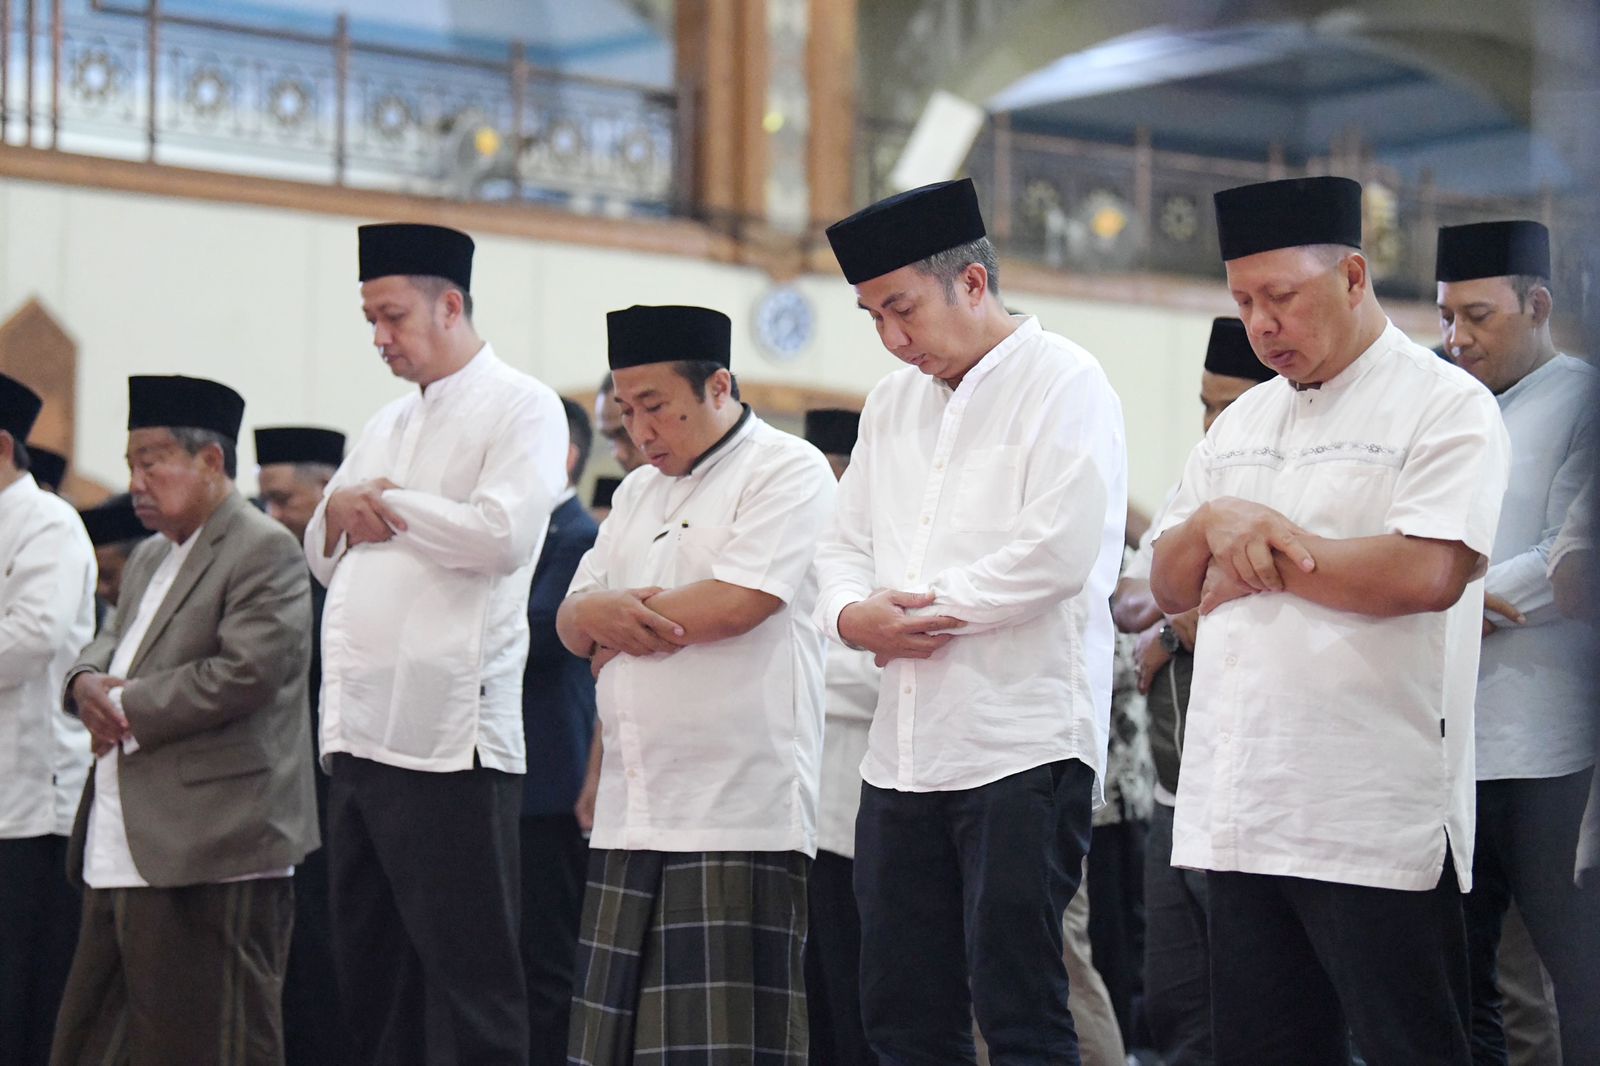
222 782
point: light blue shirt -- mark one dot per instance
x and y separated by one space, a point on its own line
1533 718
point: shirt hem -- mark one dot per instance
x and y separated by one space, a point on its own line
1536 775
435 764
688 840
987 777
1282 866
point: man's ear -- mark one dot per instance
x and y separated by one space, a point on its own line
211 456
975 282
454 306
1356 277
1541 303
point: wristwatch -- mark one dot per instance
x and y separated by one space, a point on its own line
1169 638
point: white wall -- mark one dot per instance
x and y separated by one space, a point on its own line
266 301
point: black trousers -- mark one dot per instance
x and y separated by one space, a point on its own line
38 931
1116 915
961 896
423 872
1298 967
1526 851
314 1033
833 965
1177 952
555 861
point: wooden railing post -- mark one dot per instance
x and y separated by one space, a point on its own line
5 67
684 149
519 90
31 28
1422 241
341 94
1143 187
57 34
1003 217
153 89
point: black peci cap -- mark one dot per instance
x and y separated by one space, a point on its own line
1229 353
1288 214
832 430
188 403
299 444
640 335
1492 250
19 408
906 228
408 248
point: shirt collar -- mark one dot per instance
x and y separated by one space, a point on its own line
180 552
715 454
571 493
452 382
1363 363
1529 383
23 486
1027 329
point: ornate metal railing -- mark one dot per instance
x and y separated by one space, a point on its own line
1099 208
139 82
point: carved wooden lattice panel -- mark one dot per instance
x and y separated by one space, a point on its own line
36 350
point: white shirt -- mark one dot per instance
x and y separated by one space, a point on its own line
107 861
1535 709
1006 499
1321 743
425 635
852 680
715 747
46 617
1577 532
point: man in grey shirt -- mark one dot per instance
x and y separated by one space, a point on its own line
1535 724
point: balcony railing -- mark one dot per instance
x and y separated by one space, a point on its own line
1098 208
141 83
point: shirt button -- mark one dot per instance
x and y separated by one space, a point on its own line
939 465
633 773
1232 660
926 519
1223 738
907 690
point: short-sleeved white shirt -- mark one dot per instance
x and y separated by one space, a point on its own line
1322 743
716 747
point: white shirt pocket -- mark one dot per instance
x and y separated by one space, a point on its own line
698 548
1341 495
988 492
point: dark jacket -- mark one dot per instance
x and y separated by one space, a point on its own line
557 691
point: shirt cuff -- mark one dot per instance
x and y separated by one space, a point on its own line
829 612
130 745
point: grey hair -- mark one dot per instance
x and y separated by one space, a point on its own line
191 439
1331 255
310 472
949 264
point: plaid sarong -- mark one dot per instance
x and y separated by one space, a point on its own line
691 957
